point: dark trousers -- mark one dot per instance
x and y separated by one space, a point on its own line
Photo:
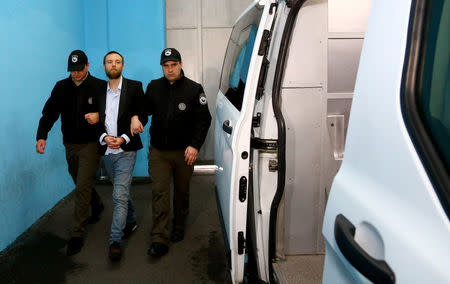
83 161
162 166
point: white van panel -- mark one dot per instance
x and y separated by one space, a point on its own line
343 61
224 159
382 181
306 64
303 115
317 92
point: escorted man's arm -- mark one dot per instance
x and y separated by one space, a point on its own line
136 110
136 126
143 109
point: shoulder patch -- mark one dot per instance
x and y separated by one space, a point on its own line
202 99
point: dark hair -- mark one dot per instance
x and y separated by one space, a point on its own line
111 52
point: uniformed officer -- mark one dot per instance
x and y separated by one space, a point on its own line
180 122
75 99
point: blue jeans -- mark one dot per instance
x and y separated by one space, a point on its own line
120 170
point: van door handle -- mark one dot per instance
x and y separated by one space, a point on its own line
227 127
377 271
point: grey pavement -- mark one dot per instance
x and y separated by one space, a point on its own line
39 255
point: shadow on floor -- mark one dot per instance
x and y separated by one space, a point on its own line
39 259
39 255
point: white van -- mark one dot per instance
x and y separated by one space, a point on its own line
282 121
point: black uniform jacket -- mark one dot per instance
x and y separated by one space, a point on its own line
131 96
180 114
72 102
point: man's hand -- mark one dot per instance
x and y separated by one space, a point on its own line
40 146
136 126
92 117
190 155
114 142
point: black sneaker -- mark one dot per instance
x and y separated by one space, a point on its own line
128 230
96 210
115 252
157 249
177 235
74 245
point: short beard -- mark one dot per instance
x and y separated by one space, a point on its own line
112 75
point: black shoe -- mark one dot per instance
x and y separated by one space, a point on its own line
128 230
74 245
96 210
177 235
115 252
157 249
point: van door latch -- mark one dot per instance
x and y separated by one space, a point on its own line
241 242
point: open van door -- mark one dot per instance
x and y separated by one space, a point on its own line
234 113
387 216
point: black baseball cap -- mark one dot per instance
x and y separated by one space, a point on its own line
77 60
170 54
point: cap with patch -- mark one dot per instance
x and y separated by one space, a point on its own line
77 61
170 54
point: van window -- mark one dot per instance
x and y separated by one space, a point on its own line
426 92
435 101
238 56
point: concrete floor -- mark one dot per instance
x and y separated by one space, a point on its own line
304 269
39 255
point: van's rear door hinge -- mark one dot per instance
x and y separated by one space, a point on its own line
241 242
264 144
265 40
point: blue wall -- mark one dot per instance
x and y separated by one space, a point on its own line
37 38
